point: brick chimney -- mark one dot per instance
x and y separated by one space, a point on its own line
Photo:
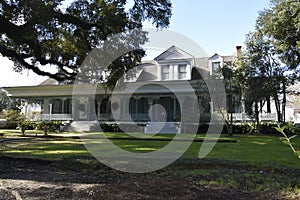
238 51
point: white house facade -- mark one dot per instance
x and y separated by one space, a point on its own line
160 82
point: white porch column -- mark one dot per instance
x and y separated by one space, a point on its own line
50 111
46 106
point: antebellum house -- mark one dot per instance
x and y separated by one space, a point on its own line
175 82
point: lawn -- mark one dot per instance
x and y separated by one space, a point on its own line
239 167
258 150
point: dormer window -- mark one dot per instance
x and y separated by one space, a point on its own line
165 72
182 71
216 67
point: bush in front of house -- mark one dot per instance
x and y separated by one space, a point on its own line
26 125
138 128
12 117
263 128
49 126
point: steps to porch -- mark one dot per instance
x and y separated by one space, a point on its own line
163 127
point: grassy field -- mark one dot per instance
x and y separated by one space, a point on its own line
256 167
258 150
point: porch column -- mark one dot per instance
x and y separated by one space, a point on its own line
174 108
81 108
152 113
46 106
181 104
124 107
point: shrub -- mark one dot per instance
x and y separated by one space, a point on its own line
26 125
49 126
13 117
110 127
125 127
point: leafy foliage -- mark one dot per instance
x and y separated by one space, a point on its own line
26 125
13 117
271 60
8 103
39 33
52 126
281 129
281 24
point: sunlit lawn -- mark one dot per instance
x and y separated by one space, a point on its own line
259 150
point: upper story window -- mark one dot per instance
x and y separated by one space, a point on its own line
182 71
215 67
165 72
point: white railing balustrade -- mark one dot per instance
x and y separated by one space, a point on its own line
58 117
262 117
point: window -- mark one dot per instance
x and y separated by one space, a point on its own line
182 71
56 106
215 66
67 106
165 72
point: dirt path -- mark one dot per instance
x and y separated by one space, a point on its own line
36 179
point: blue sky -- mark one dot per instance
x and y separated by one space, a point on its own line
216 25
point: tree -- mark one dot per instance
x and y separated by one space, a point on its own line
8 103
39 33
281 24
271 61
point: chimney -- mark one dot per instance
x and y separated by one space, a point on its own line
238 51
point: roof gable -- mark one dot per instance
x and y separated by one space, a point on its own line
173 53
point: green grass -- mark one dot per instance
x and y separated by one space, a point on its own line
258 150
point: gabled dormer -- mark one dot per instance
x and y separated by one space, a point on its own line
174 64
216 62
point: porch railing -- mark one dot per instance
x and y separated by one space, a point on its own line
61 117
262 117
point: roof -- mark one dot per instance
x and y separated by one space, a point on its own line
174 53
49 81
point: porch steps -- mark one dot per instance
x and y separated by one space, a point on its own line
163 127
81 126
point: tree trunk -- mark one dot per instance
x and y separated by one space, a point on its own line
257 116
283 100
268 105
277 105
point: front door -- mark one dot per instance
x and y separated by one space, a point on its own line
168 104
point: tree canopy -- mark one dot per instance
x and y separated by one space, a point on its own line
281 25
40 33
272 57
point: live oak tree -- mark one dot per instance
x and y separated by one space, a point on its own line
40 33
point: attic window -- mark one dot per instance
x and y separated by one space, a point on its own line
216 66
165 72
182 71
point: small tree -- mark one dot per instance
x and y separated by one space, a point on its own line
25 125
13 117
